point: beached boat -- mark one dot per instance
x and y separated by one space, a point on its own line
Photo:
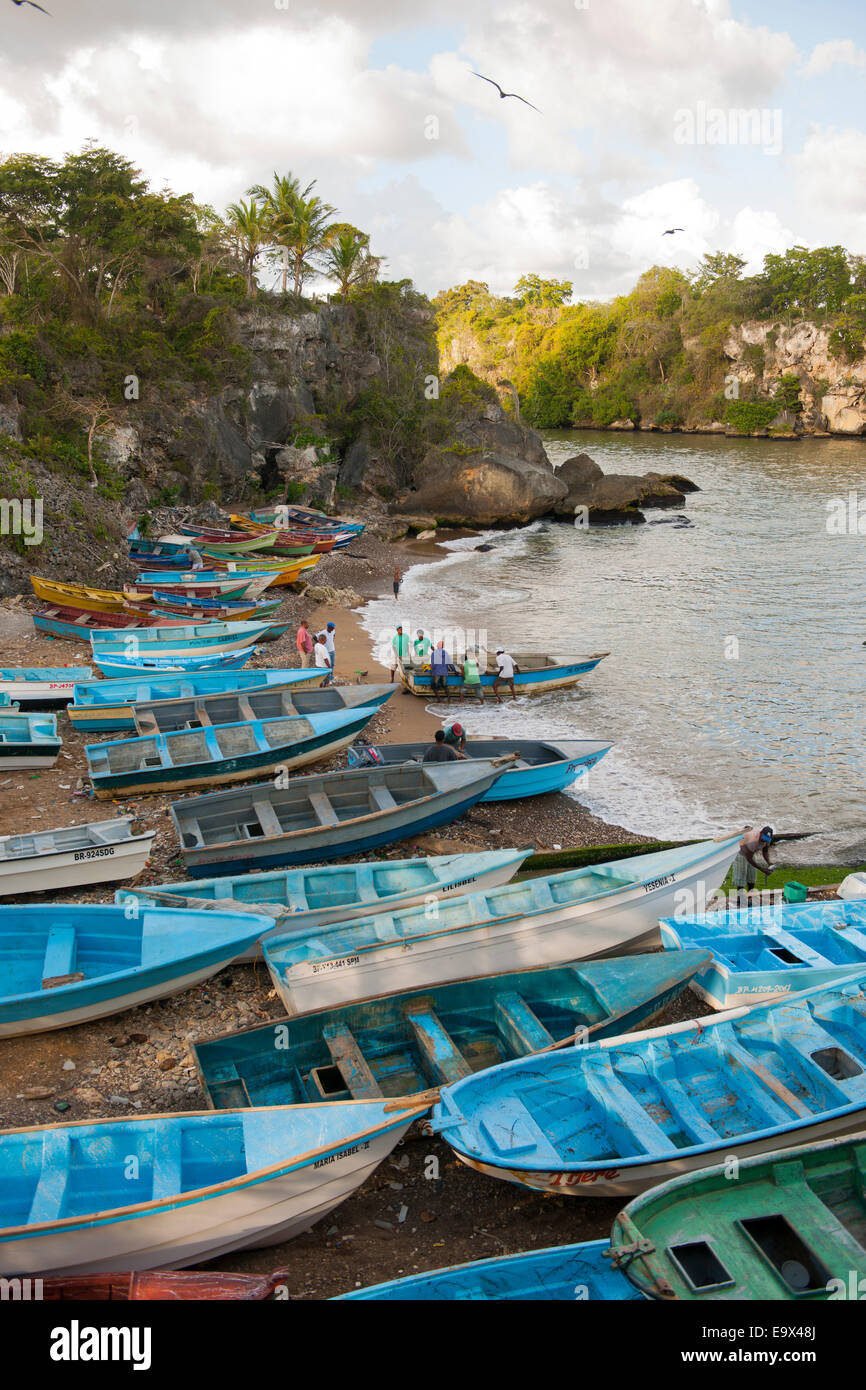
171 609
237 707
230 543
108 706
289 542
64 965
327 816
414 1041
537 674
72 625
167 554
281 572
564 1273
169 1286
614 1117
791 1226
42 861
6 703
142 591
187 639
203 1184
537 767
28 742
308 898
237 581
772 950
302 518
608 909
119 666
42 687
207 754
79 596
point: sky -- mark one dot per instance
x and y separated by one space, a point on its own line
744 124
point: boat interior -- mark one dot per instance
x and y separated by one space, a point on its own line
196 746
73 837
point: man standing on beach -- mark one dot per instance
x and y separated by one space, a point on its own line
304 644
323 661
399 649
439 663
744 870
505 672
398 580
471 678
330 644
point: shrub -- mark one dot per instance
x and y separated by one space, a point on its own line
747 416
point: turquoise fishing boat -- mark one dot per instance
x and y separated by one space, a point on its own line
565 1273
64 965
535 674
119 667
791 1227
188 639
419 1040
199 757
614 1117
168 716
28 742
228 581
773 950
143 1193
109 706
307 898
42 687
533 768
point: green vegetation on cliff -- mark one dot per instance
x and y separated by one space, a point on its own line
657 353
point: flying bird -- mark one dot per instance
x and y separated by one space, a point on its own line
502 94
34 4
670 231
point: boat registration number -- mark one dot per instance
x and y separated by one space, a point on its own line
659 883
327 965
587 1175
93 853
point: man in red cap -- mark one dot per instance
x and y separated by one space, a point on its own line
455 737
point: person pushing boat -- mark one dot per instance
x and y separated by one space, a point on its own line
744 871
399 649
505 669
421 648
439 663
471 678
454 735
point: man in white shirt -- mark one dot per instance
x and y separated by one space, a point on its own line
330 644
322 660
505 672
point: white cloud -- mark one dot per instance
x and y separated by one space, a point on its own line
841 52
830 173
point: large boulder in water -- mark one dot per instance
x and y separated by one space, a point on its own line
616 498
486 488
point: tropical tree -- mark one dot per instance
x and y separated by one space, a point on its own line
247 225
297 223
347 259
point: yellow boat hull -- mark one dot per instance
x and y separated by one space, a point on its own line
78 596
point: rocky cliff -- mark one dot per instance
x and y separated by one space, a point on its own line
833 392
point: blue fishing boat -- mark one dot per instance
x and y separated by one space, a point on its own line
65 964
306 898
535 674
328 815
230 581
418 1040
201 756
116 666
43 687
772 950
108 706
185 639
531 767
5 702
606 909
238 707
143 1193
28 742
565 1273
223 610
617 1116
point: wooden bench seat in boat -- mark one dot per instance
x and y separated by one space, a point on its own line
798 948
348 1057
525 1032
50 1191
613 1097
382 799
323 810
167 1161
755 1078
437 1046
268 818
517 1132
61 952
814 1041
682 1107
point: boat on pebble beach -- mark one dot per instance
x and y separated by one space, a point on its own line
534 767
188 639
74 625
79 596
43 687
42 861
28 742
109 706
118 666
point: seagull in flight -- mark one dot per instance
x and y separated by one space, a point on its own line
502 94
33 3
670 231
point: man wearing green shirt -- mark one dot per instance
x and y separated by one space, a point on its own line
422 647
399 649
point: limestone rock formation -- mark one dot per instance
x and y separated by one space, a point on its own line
616 498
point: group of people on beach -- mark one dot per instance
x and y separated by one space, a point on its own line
318 649
420 652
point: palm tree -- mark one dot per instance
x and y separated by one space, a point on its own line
297 221
347 257
247 225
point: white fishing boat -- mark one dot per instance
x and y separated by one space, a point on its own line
607 909
44 860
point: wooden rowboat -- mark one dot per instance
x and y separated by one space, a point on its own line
536 767
108 706
121 667
237 707
28 742
73 625
331 815
537 675
791 1226
42 861
188 639
205 1183
78 596
42 687
168 1286
630 1112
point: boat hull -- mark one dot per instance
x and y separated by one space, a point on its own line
113 669
627 924
537 779
120 717
539 682
76 868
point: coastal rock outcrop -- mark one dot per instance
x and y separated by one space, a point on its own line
617 498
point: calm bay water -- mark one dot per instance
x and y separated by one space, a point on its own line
734 689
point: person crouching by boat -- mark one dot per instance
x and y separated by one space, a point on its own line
504 672
399 650
439 663
304 644
322 660
454 735
440 751
744 871
471 678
